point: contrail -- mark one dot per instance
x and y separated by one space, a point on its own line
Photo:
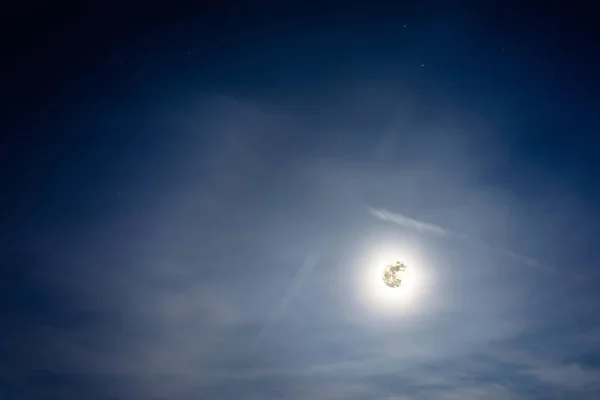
419 226
301 275
427 228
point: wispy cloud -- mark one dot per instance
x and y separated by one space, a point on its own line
568 376
409 223
432 229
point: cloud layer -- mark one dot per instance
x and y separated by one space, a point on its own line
192 288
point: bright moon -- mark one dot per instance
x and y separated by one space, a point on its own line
393 280
395 274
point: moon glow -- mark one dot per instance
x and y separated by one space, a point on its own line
393 278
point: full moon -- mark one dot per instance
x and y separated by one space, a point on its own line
393 278
395 274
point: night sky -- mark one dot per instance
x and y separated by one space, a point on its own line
198 202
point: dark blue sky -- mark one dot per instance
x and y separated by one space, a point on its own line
197 202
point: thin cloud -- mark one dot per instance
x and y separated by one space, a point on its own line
571 376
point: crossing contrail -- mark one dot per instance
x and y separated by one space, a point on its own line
278 311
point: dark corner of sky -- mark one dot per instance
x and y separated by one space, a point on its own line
198 201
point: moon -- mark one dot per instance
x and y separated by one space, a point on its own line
395 274
393 280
